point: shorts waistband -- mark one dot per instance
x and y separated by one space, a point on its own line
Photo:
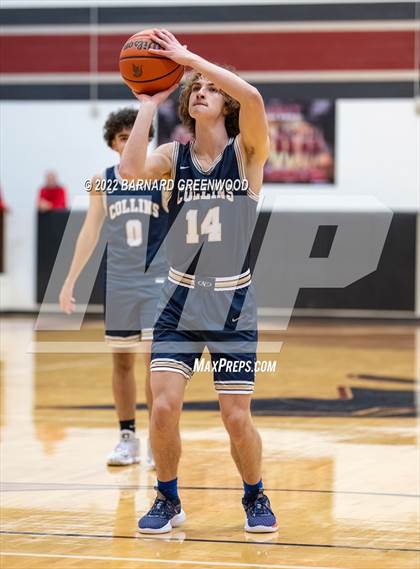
210 283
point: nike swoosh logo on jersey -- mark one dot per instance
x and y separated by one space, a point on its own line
183 167
236 319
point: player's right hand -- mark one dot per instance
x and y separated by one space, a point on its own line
67 300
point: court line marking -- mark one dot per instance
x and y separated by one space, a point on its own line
370 377
204 540
177 561
57 486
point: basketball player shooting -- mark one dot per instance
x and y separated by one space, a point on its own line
227 118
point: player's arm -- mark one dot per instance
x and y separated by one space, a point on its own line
252 118
135 163
85 245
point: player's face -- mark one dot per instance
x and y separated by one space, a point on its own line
120 139
205 100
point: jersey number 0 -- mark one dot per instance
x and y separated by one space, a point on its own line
134 232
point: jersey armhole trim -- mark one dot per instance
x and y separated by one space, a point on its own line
174 160
239 158
166 194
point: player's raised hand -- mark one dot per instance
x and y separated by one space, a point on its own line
170 46
157 98
67 300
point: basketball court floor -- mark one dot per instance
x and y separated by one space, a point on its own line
341 465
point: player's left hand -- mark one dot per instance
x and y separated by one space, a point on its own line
171 47
157 98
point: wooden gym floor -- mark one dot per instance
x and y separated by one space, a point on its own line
339 427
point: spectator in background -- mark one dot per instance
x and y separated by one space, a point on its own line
51 195
3 210
3 206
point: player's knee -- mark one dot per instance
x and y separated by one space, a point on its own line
165 413
236 421
123 363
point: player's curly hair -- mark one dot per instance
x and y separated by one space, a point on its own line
116 122
232 107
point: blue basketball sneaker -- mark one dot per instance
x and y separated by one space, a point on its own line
259 515
162 516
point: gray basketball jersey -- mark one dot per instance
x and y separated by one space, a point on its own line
212 213
135 229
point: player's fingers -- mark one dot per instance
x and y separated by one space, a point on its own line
163 43
139 96
155 34
169 53
169 34
159 34
158 52
160 31
156 39
165 34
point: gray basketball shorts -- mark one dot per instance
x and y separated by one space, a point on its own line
130 309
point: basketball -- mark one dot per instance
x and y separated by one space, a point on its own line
144 72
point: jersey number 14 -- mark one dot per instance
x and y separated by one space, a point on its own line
210 225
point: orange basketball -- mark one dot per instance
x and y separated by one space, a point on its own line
144 72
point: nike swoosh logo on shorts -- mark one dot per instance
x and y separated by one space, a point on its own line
236 319
183 167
